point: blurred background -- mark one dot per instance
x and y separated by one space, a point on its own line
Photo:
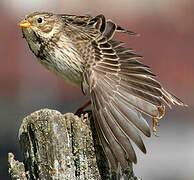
167 44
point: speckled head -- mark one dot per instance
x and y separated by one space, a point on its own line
38 22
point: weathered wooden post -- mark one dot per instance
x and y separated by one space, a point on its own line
61 147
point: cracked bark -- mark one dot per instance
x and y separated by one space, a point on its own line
62 147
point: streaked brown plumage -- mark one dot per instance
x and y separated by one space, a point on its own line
80 49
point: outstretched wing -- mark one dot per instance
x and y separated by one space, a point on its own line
121 88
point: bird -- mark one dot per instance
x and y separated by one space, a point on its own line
82 51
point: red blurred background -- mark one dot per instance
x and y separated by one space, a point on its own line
166 41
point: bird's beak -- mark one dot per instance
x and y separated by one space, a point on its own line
25 24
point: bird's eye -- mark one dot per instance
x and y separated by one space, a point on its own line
39 20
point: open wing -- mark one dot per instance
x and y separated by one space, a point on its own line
121 88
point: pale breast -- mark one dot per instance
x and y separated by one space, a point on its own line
60 57
65 61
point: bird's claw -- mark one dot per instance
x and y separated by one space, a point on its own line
161 110
155 123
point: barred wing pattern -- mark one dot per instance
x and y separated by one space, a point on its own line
121 89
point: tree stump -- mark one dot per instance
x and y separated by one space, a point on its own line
61 147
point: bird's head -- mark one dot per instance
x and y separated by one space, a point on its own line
42 24
39 28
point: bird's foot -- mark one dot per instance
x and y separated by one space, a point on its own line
155 123
161 110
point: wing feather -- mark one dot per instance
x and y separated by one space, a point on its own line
107 149
124 119
108 134
121 89
109 30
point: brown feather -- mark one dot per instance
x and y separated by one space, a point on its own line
121 87
107 150
109 30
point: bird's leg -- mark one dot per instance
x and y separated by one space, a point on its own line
81 109
155 123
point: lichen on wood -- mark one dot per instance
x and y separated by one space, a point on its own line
61 147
